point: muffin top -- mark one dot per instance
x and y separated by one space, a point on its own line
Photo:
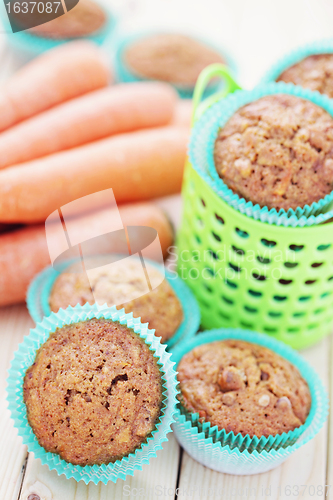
115 285
94 392
314 72
244 388
173 58
277 152
85 18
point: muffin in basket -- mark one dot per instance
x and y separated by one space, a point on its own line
277 152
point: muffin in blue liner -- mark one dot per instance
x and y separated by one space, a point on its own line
201 154
33 45
24 358
41 286
296 56
236 454
124 73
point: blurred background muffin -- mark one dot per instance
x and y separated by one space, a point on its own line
173 58
85 19
315 72
277 152
117 285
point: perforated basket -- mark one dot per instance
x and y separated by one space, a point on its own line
250 274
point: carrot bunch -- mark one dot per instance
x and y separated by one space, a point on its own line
66 133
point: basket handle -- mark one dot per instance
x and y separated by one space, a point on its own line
212 71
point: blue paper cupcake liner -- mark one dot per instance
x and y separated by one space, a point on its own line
25 356
124 74
33 45
40 289
297 55
201 154
236 454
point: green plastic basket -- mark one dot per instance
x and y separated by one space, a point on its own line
249 274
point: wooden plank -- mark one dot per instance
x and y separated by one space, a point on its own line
156 480
14 324
305 467
329 475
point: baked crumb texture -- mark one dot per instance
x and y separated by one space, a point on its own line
277 152
243 388
94 392
160 308
314 72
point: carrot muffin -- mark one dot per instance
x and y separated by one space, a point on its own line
277 152
173 58
94 392
244 388
314 72
159 307
86 18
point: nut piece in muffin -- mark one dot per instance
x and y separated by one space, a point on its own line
115 285
172 58
86 18
277 152
94 392
314 72
244 388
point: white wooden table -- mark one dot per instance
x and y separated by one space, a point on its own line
256 32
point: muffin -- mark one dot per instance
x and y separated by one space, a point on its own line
160 308
85 19
315 72
277 152
244 388
94 393
173 58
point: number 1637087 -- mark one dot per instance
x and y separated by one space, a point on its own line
29 7
304 490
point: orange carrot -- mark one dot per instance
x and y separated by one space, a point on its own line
24 252
56 76
6 228
183 113
117 109
137 166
